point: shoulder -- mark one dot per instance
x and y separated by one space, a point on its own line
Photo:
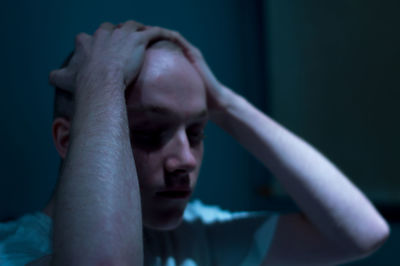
25 239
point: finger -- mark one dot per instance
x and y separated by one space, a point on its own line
61 78
105 29
143 27
156 33
189 49
107 26
132 25
83 41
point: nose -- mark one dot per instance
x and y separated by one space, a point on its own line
180 158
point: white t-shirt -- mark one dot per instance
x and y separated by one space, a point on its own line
207 236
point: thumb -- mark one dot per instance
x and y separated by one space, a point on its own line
62 78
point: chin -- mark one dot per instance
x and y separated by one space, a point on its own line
164 222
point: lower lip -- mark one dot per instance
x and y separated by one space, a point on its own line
174 194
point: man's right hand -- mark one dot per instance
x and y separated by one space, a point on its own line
113 54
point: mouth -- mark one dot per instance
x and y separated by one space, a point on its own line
174 194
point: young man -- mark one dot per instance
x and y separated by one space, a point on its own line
132 149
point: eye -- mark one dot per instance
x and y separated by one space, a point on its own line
195 135
148 139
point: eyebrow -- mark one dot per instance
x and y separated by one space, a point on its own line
163 111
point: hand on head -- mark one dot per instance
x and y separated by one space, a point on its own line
112 49
118 51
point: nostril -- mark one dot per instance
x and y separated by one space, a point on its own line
177 178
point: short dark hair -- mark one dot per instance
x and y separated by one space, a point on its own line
63 99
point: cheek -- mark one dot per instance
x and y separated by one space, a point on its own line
148 166
198 153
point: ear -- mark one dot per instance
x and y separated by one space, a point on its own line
60 132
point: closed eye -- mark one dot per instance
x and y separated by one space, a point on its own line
148 140
195 134
153 139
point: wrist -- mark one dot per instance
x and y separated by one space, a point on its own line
99 79
224 104
99 93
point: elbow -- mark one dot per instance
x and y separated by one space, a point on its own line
380 237
373 239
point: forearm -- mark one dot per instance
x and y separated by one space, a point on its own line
329 200
98 212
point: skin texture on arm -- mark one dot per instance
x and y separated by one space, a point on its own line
98 218
338 222
97 214
98 204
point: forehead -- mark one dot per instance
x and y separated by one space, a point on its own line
168 80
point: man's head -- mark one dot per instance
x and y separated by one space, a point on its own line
167 113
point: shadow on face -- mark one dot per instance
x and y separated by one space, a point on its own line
167 112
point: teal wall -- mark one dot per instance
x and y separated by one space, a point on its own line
334 80
334 69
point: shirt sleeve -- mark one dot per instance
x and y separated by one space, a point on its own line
25 240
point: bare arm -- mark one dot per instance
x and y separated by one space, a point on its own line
339 222
97 210
98 205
